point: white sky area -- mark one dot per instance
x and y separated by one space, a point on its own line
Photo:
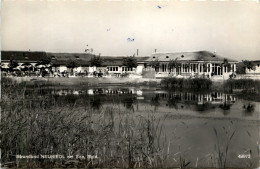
232 28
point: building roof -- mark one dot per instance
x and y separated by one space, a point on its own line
112 61
23 56
118 61
83 59
255 61
189 56
142 59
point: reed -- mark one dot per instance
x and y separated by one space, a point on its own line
181 83
35 124
247 85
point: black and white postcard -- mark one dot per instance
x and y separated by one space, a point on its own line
130 84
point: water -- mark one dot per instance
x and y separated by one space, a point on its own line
198 127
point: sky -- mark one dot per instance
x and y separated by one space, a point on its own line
116 28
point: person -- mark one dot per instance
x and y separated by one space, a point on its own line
100 73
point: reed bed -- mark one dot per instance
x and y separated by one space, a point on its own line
33 124
181 83
248 85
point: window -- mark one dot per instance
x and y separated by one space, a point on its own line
167 56
127 69
154 57
112 68
182 56
164 67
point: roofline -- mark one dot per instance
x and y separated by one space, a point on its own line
189 51
202 61
20 60
21 51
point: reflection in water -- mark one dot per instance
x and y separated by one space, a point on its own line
225 107
224 101
249 109
203 107
130 97
202 102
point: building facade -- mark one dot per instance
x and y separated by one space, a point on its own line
192 64
182 64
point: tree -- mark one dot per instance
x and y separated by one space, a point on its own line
187 66
13 64
27 66
174 64
96 61
130 62
55 65
205 66
226 64
241 68
249 65
71 65
43 62
155 64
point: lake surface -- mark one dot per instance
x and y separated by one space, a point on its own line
200 127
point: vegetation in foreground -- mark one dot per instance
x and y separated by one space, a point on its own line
38 124
106 138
